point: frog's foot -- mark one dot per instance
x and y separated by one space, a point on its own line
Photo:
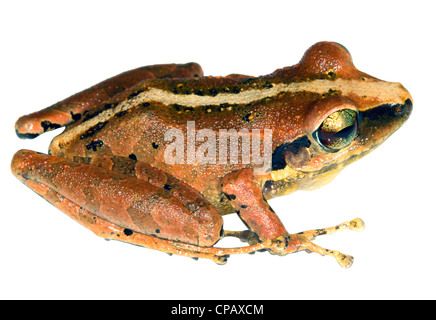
303 241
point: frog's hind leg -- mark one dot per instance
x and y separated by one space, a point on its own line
75 188
110 231
75 107
142 214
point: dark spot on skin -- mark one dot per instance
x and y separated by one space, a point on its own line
94 145
321 232
134 94
236 90
157 231
25 176
120 114
145 104
91 114
75 116
248 81
47 125
167 187
332 75
154 145
26 135
110 105
199 93
230 196
246 118
133 156
333 92
267 84
128 232
244 206
213 92
93 130
196 75
223 106
178 107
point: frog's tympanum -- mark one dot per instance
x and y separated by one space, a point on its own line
113 169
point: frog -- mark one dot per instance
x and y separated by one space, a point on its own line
112 169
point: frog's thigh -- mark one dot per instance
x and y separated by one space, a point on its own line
73 108
125 203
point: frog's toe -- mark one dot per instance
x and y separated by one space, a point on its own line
357 225
303 242
279 244
221 260
344 260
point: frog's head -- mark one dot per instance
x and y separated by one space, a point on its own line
347 115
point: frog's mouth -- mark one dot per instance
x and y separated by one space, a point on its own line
375 126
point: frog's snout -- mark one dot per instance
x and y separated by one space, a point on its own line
386 113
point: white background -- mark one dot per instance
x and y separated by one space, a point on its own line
50 50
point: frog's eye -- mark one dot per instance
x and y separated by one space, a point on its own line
338 130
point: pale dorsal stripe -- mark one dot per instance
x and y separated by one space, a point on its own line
380 89
386 92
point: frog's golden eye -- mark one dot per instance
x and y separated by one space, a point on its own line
338 130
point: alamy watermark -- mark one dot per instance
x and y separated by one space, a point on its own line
228 146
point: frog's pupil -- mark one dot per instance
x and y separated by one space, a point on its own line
346 132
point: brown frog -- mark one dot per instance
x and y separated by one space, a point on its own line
156 155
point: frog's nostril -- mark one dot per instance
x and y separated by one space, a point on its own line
400 110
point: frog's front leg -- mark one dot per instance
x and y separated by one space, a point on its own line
245 195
